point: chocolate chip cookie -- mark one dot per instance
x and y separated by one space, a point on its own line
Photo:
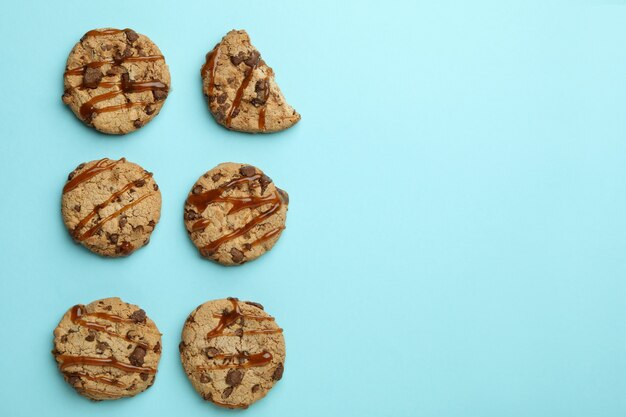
107 349
111 206
241 90
233 352
234 213
115 80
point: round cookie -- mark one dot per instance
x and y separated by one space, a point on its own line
235 214
107 349
111 207
233 352
240 88
115 80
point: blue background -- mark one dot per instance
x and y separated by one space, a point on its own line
456 233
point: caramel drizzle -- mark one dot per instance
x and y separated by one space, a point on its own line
78 312
228 318
88 109
67 361
244 360
262 118
110 217
267 236
103 379
102 205
201 202
96 32
209 68
239 94
98 64
102 165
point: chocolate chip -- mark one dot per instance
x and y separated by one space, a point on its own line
278 372
247 171
73 379
64 338
122 221
227 392
137 123
216 177
155 187
77 208
136 358
257 305
234 377
138 316
140 183
81 166
101 347
91 336
151 223
132 36
255 388
197 189
191 215
234 113
125 248
212 352
236 255
92 77
157 347
222 98
119 56
205 379
113 238
159 94
149 110
236 60
143 376
253 59
71 175
283 195
264 181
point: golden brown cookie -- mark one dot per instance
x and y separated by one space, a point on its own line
233 352
111 207
107 349
234 213
115 80
241 90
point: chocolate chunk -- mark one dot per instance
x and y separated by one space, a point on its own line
159 94
283 195
197 189
222 98
236 255
92 77
138 316
255 388
151 223
81 166
155 187
234 113
227 392
91 336
73 379
140 183
71 175
122 221
216 177
234 377
205 379
191 215
119 56
247 171
264 181
212 352
278 372
113 238
149 110
157 348
137 123
143 376
236 60
101 347
252 303
64 338
132 36
253 59
77 208
136 358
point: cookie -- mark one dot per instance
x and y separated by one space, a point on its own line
240 88
111 207
234 213
107 349
115 80
233 352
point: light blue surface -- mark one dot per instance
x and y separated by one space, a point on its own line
457 228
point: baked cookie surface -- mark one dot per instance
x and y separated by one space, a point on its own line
115 80
240 88
107 349
234 213
111 206
232 351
